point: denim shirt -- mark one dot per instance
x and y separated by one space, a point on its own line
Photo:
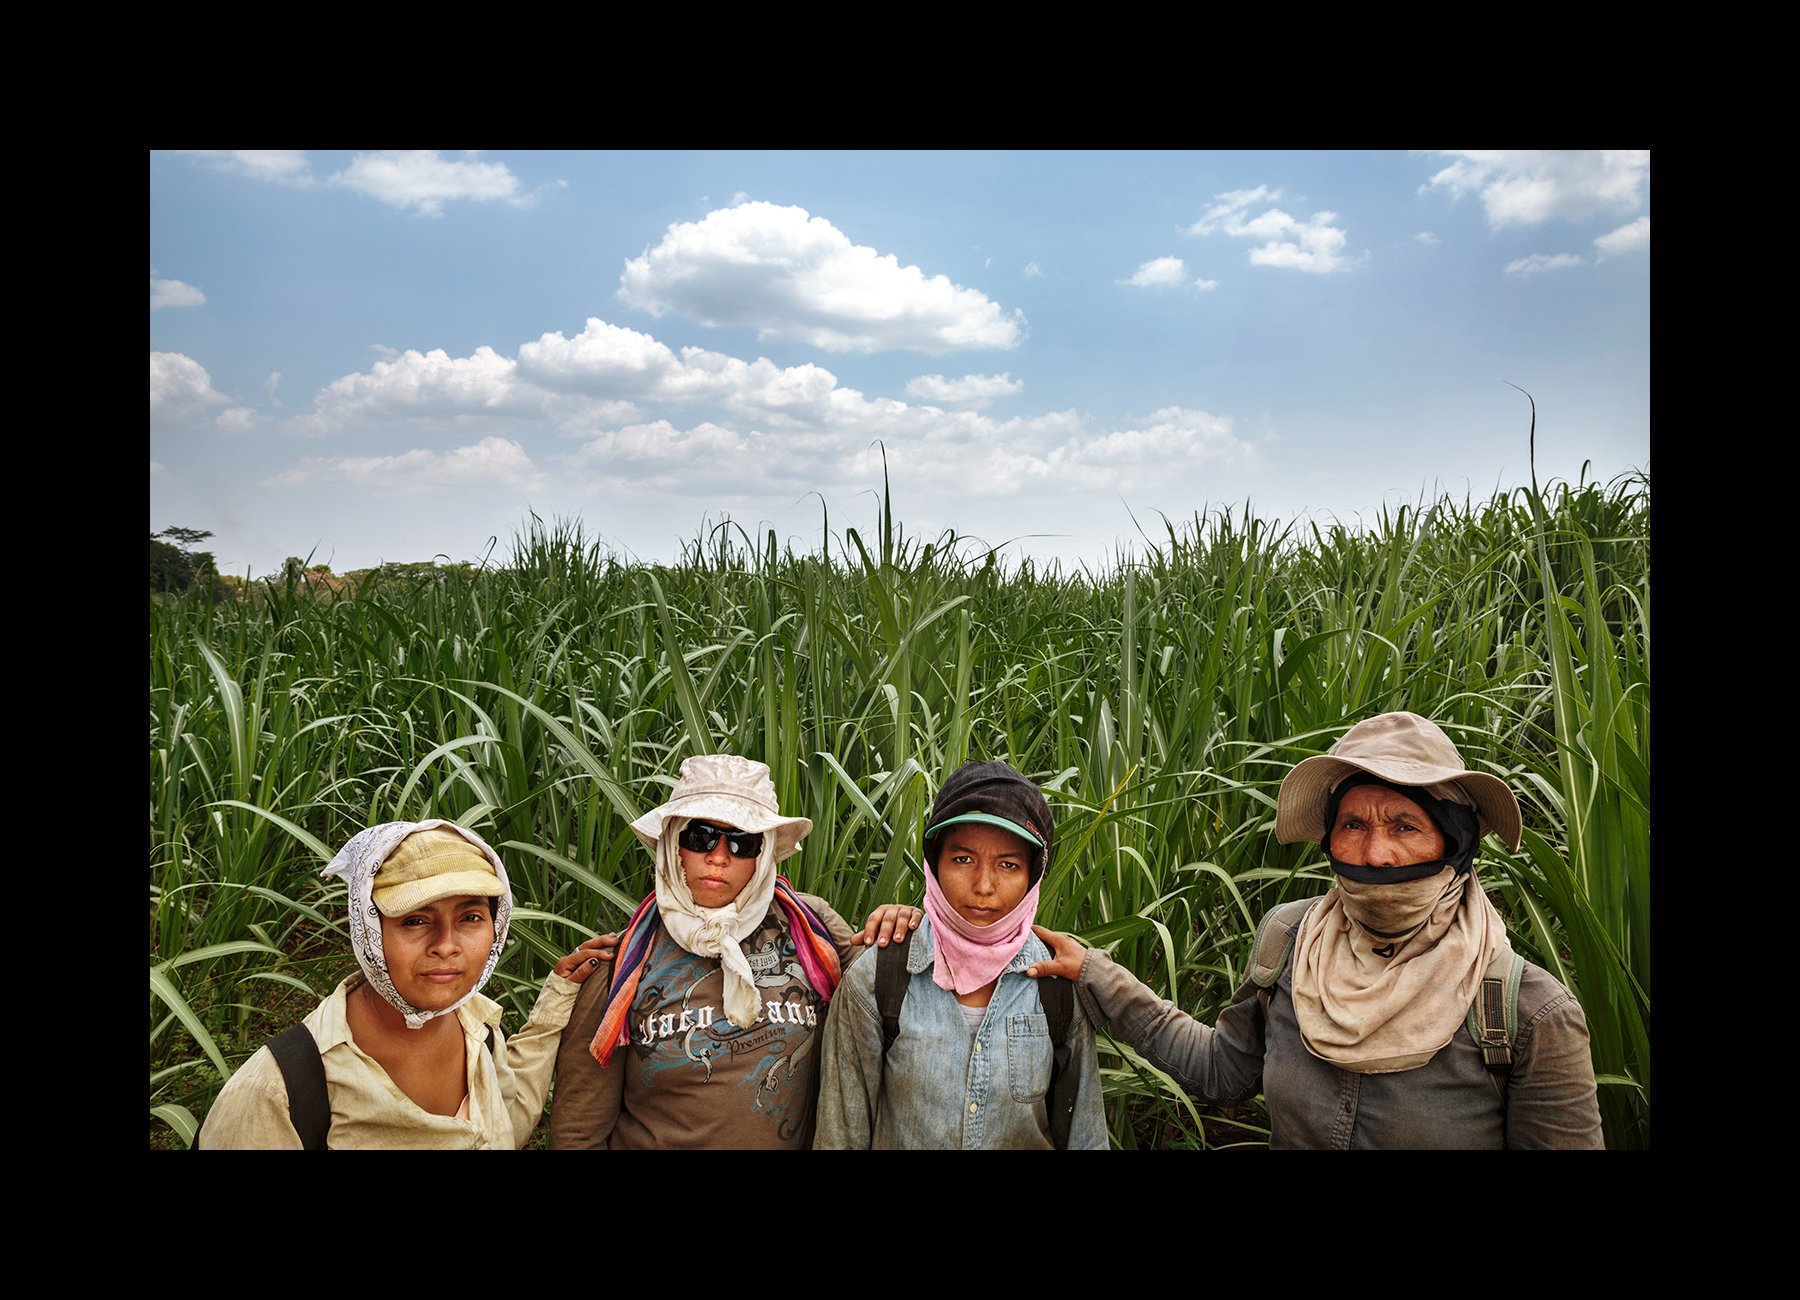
941 1088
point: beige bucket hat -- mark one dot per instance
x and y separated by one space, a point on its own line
727 788
1405 749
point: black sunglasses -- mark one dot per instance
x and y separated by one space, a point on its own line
699 837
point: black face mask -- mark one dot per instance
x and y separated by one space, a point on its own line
1455 822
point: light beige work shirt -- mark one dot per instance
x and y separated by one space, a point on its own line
507 1086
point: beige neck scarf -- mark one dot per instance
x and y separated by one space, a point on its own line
1384 974
716 931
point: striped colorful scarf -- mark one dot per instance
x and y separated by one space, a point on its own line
812 942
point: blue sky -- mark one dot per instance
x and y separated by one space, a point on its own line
393 356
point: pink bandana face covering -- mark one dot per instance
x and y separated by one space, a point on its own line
969 957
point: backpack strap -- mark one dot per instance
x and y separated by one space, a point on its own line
296 1052
1058 997
1494 1015
891 980
1274 938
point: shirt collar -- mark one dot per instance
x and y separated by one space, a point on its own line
476 1015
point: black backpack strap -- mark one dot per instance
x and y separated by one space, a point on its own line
296 1051
891 980
1058 998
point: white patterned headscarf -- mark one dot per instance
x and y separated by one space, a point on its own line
359 862
715 931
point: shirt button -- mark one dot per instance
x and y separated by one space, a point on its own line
971 1108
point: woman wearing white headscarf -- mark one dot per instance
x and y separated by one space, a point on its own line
411 1053
705 1031
1360 1034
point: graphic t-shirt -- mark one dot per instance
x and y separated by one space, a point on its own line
695 1079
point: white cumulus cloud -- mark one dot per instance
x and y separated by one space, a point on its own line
424 180
1159 272
1315 244
422 385
763 429
1630 238
492 462
1538 263
236 419
1142 457
602 359
1526 186
281 166
180 383
795 276
1033 271
1426 237
970 390
174 293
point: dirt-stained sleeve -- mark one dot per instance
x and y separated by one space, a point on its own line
251 1110
530 1055
1552 1099
851 1067
585 1103
1221 1065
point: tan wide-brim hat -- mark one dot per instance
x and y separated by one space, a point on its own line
1399 747
730 789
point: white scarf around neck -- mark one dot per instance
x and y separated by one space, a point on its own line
716 931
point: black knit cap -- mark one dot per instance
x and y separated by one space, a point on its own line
992 789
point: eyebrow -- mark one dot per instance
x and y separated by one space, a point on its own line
962 846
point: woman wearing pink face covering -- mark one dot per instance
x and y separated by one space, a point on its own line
970 1068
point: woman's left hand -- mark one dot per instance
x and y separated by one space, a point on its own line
888 922
585 960
1066 955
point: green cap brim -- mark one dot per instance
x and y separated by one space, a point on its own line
987 819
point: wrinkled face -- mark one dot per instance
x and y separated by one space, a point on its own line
716 877
982 870
436 952
1379 827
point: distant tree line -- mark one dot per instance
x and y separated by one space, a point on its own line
175 566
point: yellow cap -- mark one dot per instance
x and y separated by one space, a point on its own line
430 865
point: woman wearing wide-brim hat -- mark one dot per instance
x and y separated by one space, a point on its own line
704 1032
1360 1017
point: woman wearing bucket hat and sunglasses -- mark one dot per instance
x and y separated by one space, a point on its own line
406 1054
1358 1021
705 1031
